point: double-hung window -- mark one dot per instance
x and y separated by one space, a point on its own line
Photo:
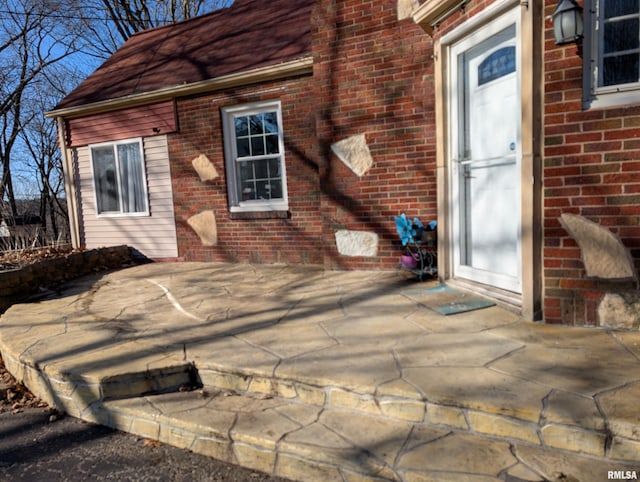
612 44
254 149
119 178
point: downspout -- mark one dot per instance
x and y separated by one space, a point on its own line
69 185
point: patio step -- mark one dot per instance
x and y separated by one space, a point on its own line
301 441
561 423
301 431
105 397
73 389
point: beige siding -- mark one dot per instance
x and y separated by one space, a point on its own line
153 235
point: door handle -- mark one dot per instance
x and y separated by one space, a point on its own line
465 162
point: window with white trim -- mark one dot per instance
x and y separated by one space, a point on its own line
119 179
254 148
612 44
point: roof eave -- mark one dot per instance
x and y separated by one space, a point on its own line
432 12
300 66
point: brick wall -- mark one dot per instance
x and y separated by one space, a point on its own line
591 168
374 76
292 240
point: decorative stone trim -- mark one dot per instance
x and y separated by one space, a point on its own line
357 243
204 224
406 8
354 153
603 254
205 169
620 311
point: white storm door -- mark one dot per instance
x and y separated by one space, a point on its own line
486 163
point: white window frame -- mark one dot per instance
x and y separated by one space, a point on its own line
594 95
145 194
236 204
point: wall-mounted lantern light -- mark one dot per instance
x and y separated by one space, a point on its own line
567 22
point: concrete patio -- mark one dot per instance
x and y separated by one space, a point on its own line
314 375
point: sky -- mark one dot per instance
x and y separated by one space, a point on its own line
81 63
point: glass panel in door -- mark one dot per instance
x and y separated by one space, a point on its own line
487 164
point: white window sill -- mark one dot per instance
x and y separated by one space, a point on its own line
124 215
605 100
259 207
260 211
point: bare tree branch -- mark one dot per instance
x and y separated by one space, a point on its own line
106 24
38 41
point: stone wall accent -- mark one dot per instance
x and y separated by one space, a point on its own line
620 311
17 284
354 153
406 8
603 254
205 168
204 224
357 243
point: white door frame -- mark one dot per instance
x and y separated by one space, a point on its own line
530 18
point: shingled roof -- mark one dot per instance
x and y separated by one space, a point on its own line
249 34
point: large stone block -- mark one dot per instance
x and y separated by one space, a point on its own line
603 254
354 153
205 169
204 224
356 243
620 311
406 8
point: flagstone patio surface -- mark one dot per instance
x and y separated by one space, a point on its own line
315 375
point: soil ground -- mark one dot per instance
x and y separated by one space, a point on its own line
18 258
